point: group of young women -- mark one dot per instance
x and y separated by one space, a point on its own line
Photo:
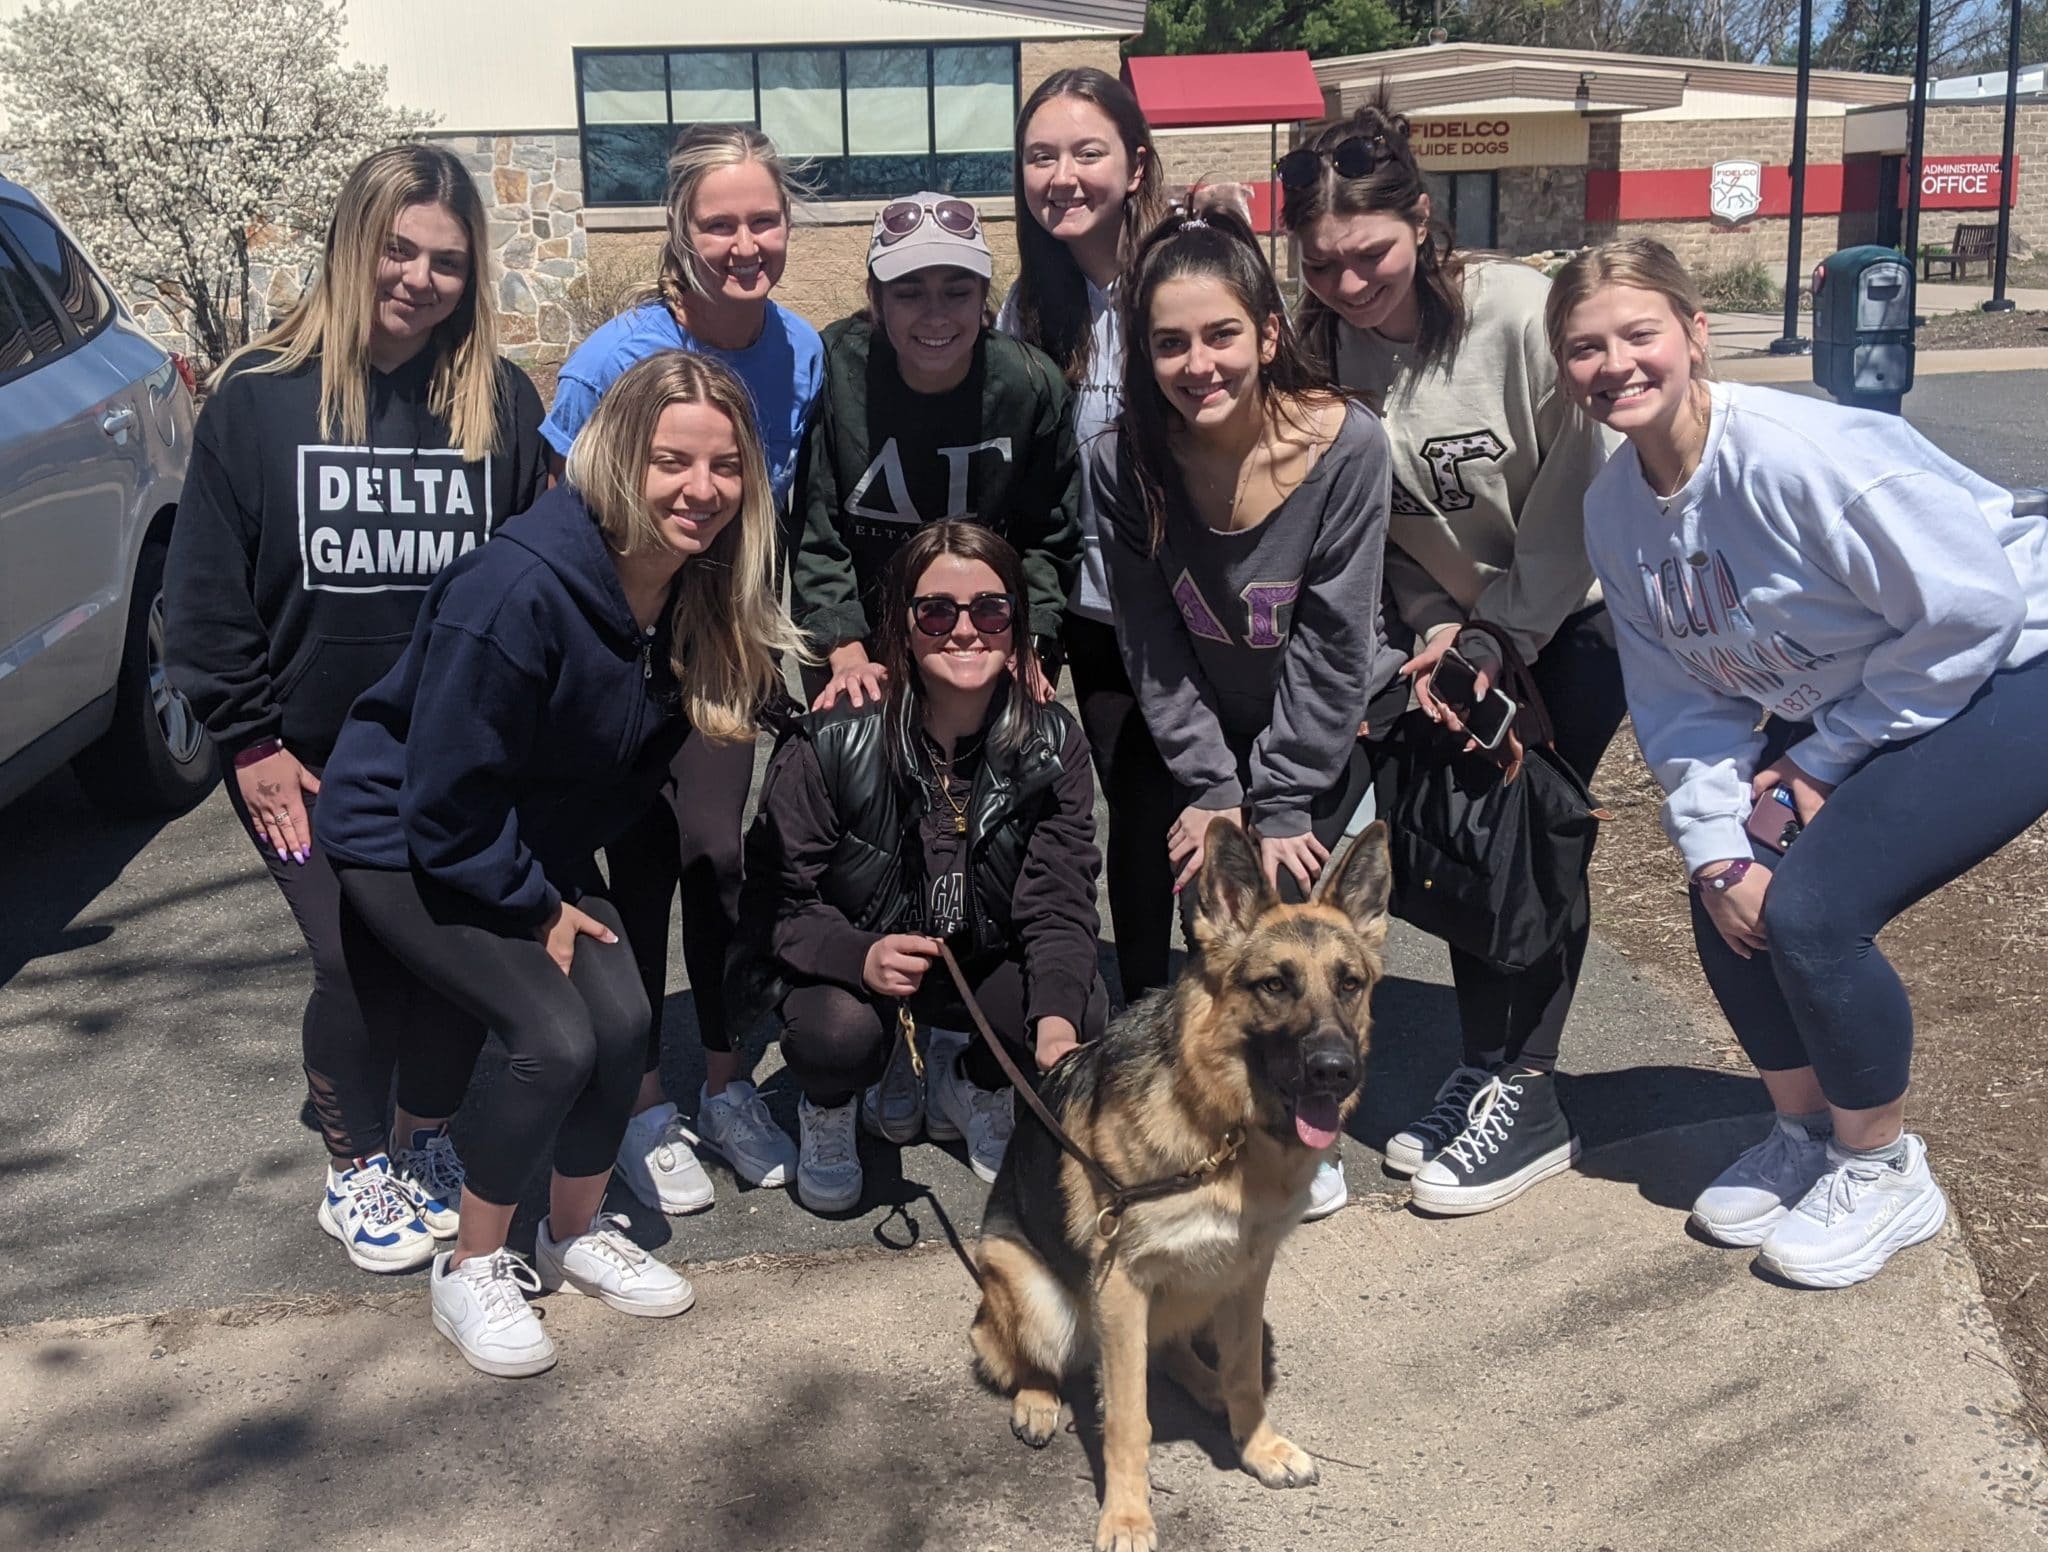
452 651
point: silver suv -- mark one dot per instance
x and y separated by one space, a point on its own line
95 427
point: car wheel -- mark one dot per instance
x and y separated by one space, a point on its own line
156 757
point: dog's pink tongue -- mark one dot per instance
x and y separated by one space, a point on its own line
1315 1119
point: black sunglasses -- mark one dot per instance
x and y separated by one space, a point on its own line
1353 158
935 614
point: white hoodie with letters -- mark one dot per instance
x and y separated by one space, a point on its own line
1826 565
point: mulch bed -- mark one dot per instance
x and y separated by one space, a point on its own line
1975 959
1982 331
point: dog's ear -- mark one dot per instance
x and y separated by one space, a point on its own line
1231 891
1361 882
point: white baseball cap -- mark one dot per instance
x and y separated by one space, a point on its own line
925 231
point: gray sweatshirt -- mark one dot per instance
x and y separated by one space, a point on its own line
1255 652
1491 463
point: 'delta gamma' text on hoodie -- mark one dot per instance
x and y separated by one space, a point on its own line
298 561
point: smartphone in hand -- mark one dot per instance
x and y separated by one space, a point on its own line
1455 682
1774 821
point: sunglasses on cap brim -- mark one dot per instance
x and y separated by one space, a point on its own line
1352 158
904 216
990 613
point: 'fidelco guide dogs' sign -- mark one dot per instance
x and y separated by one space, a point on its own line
1736 191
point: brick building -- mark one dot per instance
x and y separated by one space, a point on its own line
1540 149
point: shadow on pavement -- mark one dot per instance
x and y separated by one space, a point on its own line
60 852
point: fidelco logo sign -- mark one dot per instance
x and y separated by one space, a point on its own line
1958 182
1736 191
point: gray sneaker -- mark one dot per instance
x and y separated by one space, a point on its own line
828 1175
737 1127
1746 1200
894 1108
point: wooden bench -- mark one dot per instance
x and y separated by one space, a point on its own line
1975 243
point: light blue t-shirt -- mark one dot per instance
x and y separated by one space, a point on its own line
783 370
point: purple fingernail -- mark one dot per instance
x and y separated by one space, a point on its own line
283 855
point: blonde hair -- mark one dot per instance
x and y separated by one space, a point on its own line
333 319
1640 263
728 622
704 149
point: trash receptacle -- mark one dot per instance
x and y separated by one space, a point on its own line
1863 326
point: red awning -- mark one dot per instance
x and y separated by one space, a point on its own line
1190 90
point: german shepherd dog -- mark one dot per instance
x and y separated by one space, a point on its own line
1262 1037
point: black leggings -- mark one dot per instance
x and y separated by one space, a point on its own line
349 1060
689 835
437 960
836 1043
1519 1015
1142 798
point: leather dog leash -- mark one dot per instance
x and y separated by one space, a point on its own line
1121 1197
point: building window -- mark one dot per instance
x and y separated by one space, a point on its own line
865 122
1467 203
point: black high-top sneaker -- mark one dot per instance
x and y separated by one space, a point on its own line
1515 1135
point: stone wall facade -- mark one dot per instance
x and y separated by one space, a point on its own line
1540 208
532 188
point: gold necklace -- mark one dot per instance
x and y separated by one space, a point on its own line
945 773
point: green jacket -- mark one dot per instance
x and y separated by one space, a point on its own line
881 461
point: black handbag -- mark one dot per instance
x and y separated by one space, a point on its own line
1490 849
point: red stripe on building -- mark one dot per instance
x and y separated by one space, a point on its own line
1681 193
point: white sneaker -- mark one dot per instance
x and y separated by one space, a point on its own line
828 1178
1855 1217
375 1217
481 1307
1422 1140
656 1162
431 1170
956 1107
893 1109
605 1264
1327 1192
1747 1199
737 1127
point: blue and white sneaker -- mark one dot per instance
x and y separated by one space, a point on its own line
375 1218
432 1171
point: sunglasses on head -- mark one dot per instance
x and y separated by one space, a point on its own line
1353 158
935 614
904 216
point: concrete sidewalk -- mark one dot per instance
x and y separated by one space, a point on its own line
1572 1372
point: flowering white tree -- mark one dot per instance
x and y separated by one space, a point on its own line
179 137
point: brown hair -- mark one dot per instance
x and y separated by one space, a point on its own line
1394 186
333 320
1219 246
1051 299
1641 263
727 622
904 717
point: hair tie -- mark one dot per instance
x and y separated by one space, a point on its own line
1192 223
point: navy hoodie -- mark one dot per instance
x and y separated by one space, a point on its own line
527 720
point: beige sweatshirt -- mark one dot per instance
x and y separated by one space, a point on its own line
1491 465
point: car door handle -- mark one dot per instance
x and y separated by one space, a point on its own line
117 420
